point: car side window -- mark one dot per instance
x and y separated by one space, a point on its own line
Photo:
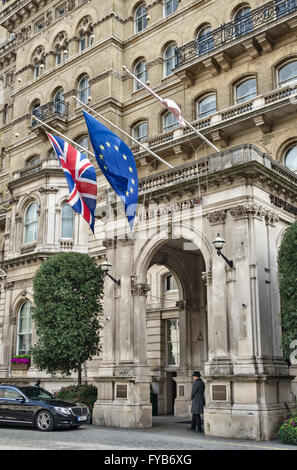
11 393
2 392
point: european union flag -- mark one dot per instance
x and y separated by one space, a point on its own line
116 162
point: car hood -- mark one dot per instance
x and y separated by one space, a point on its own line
60 403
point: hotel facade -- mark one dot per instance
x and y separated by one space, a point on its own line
231 66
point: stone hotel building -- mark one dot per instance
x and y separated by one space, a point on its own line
231 66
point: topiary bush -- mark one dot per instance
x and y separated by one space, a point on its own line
85 393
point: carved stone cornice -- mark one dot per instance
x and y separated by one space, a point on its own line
48 189
217 217
110 243
245 210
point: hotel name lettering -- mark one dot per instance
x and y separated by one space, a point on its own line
171 208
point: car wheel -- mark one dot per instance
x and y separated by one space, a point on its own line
44 421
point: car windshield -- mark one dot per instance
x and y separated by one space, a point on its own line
36 393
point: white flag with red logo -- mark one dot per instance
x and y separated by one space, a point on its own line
167 102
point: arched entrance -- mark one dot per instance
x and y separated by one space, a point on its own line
176 324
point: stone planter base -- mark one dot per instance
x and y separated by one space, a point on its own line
20 366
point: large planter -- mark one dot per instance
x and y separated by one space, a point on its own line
19 366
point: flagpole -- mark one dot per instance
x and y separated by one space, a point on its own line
158 98
123 132
64 137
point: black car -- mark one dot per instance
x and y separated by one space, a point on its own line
34 406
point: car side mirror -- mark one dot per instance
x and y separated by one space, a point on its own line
20 399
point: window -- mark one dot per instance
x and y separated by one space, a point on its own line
9 393
83 141
39 25
246 90
33 160
24 336
140 18
86 40
169 60
243 21
58 57
61 11
287 73
59 103
67 221
170 122
207 106
84 89
5 114
205 41
170 283
38 69
170 6
172 341
31 220
140 131
290 159
284 7
141 73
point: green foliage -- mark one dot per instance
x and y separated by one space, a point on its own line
288 430
85 393
287 261
68 289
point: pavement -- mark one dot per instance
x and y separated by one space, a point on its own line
167 433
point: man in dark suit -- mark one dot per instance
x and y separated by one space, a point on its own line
198 401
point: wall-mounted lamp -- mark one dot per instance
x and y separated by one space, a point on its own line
106 267
218 243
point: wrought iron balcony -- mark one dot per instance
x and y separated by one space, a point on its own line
51 110
268 13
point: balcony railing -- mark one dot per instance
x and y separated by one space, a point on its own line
236 29
283 96
52 109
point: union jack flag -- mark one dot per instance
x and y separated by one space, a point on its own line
81 178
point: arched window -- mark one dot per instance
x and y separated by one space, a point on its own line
83 141
246 90
24 332
169 59
33 160
170 283
206 106
287 73
140 18
59 103
290 159
5 114
84 89
140 131
86 40
205 41
67 221
38 60
141 73
85 32
243 21
172 342
170 122
31 222
169 6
